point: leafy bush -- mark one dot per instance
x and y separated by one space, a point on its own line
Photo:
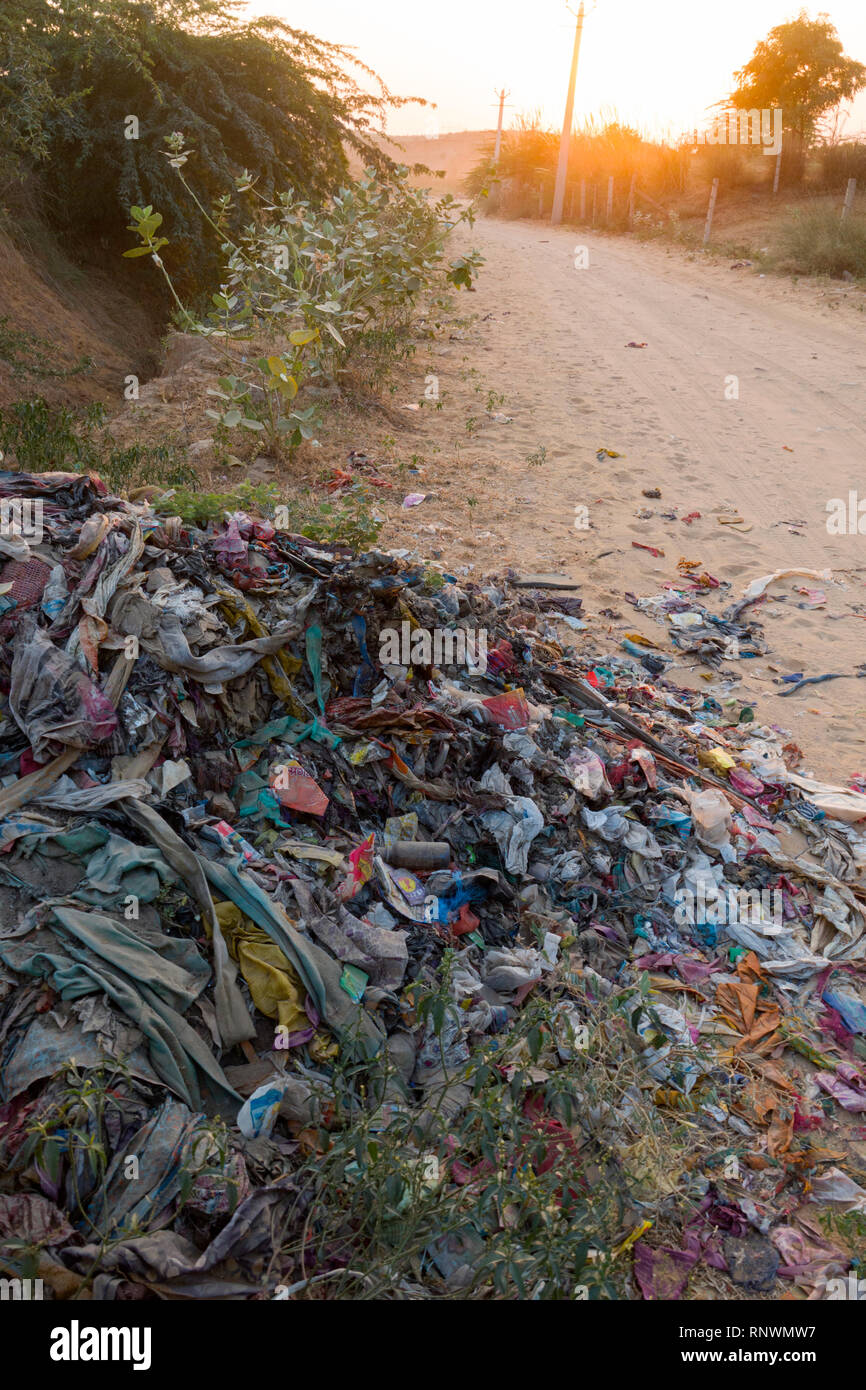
817 242
43 437
351 520
197 508
315 281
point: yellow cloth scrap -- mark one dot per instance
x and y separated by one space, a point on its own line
274 984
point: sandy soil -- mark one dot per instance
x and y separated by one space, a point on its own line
553 340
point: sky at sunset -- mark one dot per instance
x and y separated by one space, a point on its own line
657 65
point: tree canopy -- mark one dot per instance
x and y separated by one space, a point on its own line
800 66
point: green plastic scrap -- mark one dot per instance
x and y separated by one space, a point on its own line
576 720
354 982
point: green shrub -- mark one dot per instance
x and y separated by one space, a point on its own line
817 242
316 282
839 163
43 438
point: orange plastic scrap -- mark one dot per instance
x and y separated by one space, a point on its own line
750 968
775 1074
762 1037
761 1101
765 1107
339 478
738 1001
780 1134
742 1006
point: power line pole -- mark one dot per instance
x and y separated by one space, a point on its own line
502 95
565 141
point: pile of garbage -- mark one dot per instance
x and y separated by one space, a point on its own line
260 798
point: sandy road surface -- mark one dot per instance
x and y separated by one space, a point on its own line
553 337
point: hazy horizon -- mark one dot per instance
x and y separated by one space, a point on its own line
460 54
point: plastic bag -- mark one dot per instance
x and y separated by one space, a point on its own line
585 771
296 788
509 711
53 701
711 814
257 1116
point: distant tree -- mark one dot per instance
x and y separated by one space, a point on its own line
800 67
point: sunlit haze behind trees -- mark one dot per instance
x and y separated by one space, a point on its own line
658 67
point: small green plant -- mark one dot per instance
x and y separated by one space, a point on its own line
44 437
123 469
849 1227
67 1142
29 355
538 458
198 508
351 520
433 579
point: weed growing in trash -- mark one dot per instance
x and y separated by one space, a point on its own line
198 508
69 1151
850 1228
66 1140
519 1178
350 520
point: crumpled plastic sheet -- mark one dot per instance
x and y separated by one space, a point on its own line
320 973
53 701
173 1142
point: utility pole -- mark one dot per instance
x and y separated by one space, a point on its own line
502 95
565 142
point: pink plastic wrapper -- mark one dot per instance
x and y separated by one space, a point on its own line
744 782
231 547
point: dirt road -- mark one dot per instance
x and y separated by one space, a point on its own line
748 399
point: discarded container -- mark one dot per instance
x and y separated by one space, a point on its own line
418 854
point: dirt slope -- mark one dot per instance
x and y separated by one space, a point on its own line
57 314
